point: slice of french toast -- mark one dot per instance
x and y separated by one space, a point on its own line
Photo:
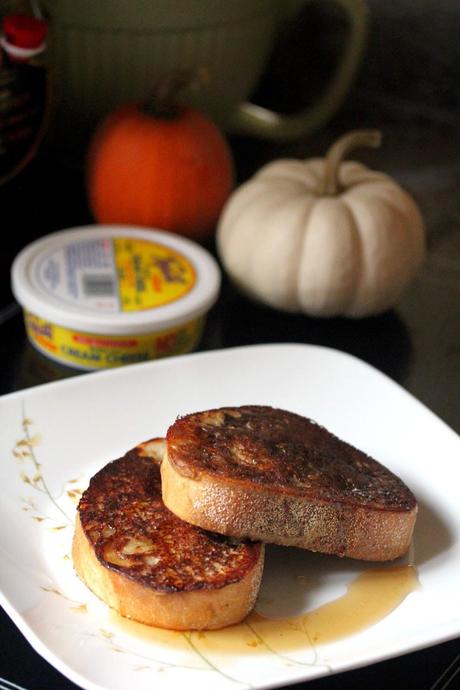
267 474
149 565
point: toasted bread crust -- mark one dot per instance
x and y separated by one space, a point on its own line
148 564
272 475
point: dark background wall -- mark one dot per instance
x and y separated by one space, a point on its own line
410 69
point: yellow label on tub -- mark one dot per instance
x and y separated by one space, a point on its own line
94 351
150 274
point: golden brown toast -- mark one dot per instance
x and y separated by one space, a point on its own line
271 475
151 566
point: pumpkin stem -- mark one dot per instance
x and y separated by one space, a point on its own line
163 102
338 151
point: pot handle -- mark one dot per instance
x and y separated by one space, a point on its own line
261 122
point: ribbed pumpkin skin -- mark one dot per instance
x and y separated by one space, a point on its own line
171 174
286 244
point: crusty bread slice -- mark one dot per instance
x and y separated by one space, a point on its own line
149 565
271 475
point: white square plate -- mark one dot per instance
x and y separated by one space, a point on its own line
54 437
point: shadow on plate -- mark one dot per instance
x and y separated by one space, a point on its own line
432 535
294 579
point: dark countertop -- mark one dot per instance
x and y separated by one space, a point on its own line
417 344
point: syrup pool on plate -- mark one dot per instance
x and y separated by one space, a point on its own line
370 597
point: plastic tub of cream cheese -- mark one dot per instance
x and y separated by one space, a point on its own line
100 296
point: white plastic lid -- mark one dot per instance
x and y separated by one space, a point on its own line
116 279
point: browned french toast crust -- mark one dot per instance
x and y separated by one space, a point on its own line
131 531
272 475
285 452
149 565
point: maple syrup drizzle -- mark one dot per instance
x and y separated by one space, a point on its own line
369 598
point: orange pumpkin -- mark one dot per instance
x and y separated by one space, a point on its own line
160 165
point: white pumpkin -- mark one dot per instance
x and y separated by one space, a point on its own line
322 236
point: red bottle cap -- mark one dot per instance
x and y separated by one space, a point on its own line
24 31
